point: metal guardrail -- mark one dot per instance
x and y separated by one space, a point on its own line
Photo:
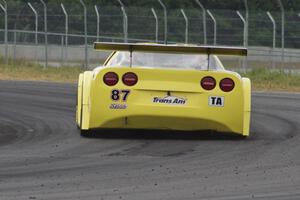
63 52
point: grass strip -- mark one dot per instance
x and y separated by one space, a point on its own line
34 72
262 79
273 80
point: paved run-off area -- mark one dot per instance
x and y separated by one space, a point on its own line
43 156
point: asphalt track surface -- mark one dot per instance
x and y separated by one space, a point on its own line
43 156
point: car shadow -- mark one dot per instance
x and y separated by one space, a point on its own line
137 134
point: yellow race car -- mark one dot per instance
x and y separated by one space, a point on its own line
155 86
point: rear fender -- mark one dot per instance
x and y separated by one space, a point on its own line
86 87
79 100
247 105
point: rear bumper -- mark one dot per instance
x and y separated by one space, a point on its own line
170 118
165 123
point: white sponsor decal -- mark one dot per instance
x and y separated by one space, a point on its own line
116 106
216 101
172 100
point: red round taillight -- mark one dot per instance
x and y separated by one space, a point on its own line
208 83
130 79
110 78
226 84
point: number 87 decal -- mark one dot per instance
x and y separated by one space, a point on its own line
117 95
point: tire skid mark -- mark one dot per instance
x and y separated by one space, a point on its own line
54 162
291 127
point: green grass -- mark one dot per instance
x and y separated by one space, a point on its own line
27 71
262 79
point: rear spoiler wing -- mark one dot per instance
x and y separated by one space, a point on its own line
162 48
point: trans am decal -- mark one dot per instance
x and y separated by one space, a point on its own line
171 100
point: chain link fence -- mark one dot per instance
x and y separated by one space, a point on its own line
67 42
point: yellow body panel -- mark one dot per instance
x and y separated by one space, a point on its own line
142 111
79 100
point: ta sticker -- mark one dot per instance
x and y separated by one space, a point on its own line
216 101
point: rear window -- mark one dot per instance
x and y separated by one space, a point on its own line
164 60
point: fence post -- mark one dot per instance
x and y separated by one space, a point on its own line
46 33
125 21
244 22
165 20
4 8
215 26
204 21
245 60
62 50
98 22
85 34
274 34
15 47
245 35
125 24
282 31
274 29
36 28
186 26
66 31
156 24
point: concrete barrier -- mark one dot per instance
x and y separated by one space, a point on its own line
74 55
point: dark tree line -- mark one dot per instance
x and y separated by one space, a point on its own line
270 5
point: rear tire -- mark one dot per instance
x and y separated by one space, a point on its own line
243 137
86 133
